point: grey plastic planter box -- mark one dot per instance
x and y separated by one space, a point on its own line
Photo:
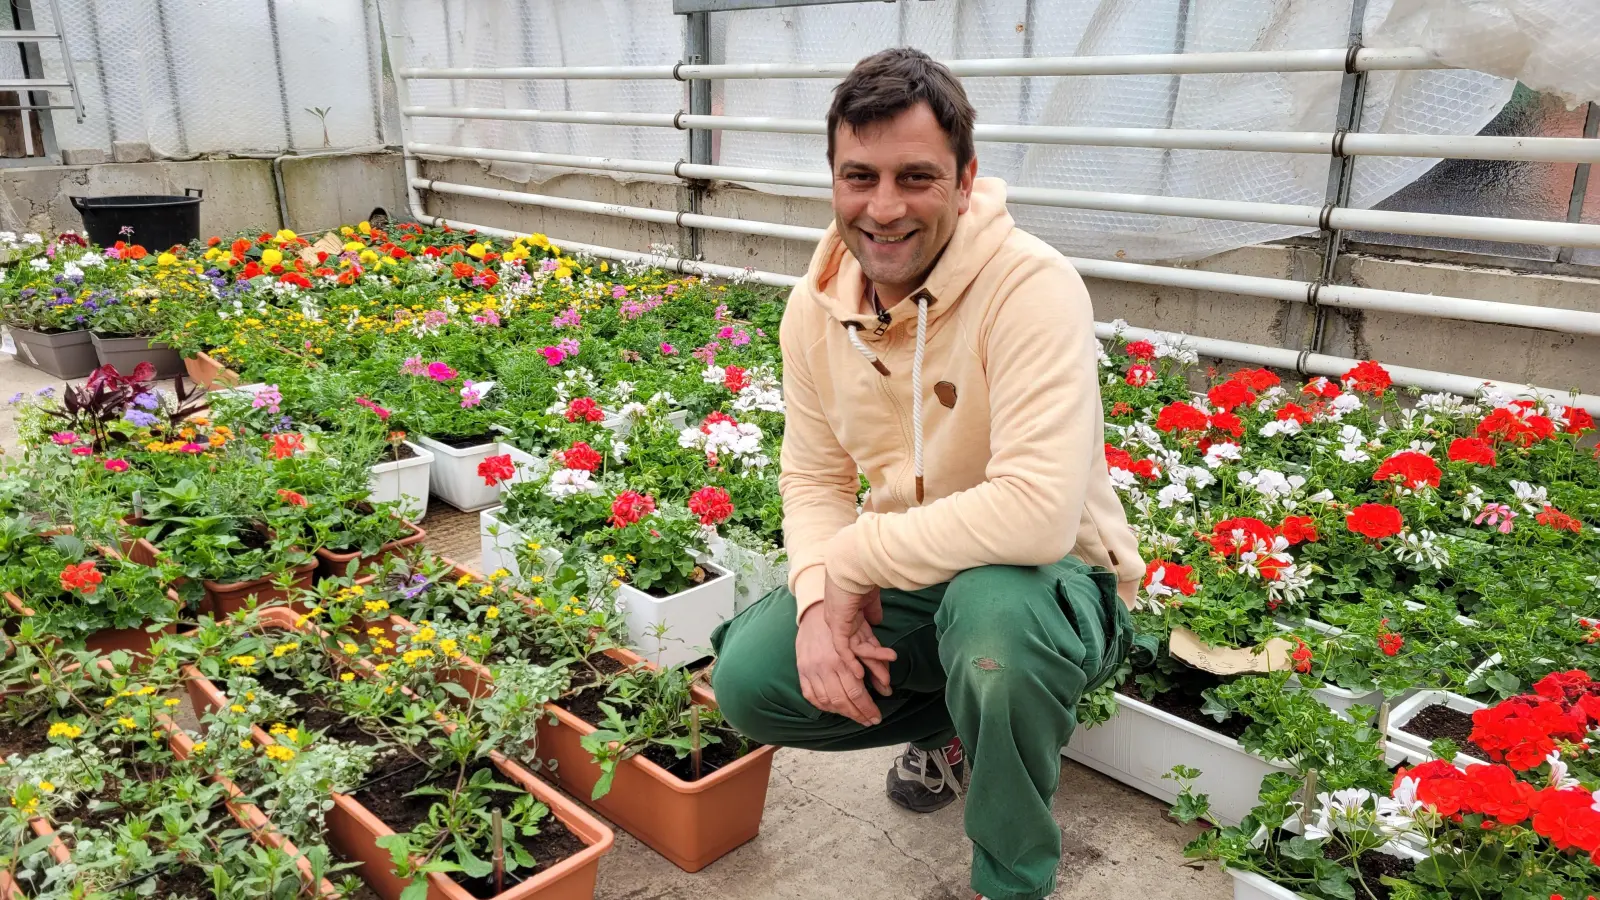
66 354
127 352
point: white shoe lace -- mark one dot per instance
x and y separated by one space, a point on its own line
946 774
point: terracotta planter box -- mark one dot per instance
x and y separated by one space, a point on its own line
334 565
64 354
136 640
207 372
354 831
691 823
226 599
127 352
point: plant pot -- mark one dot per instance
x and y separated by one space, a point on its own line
405 482
498 543
354 831
207 372
135 640
126 353
1140 744
690 616
1251 886
65 354
225 599
754 574
1401 745
454 476
336 565
528 467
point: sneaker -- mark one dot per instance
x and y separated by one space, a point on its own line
923 781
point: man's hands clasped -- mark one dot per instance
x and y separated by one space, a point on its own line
837 651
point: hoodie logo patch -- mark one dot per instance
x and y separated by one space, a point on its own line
946 392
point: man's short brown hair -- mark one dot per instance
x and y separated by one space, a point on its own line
889 82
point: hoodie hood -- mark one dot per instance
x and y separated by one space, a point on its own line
834 279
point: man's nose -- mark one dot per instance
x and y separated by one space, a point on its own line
886 206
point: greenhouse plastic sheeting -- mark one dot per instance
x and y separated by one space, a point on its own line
215 76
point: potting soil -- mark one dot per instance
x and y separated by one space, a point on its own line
1439 721
25 739
386 796
476 440
1186 706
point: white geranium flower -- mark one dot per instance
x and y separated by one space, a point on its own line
1281 426
1446 405
1472 503
1350 434
1222 452
1345 403
1322 496
1273 485
1533 499
1191 476
1100 351
1494 397
1559 777
1422 446
713 374
1352 453
1170 346
1419 548
1172 495
571 482
1122 479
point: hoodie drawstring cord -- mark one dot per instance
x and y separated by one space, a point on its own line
916 380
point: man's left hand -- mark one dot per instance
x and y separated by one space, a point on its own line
850 618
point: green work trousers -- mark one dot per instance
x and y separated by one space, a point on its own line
998 656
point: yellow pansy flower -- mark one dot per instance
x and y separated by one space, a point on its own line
364 227
166 259
284 236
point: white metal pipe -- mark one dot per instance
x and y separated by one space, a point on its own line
1367 60
1336 366
1564 234
1424 146
639 213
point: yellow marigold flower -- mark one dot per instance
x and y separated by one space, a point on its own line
250 695
463 581
537 579
278 728
615 583
492 612
534 545
375 631
608 559
631 559
171 701
448 646
375 606
350 648
486 590
236 709
200 746
384 643
498 574
348 676
128 723
279 753
246 744
423 635
245 661
539 602
166 259
289 647
578 610
381 667
47 786
28 808
357 590
65 730
147 690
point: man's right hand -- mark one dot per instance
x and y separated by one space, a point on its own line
829 681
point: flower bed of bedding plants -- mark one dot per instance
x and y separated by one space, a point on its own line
1375 543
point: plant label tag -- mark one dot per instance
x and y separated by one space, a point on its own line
328 243
1268 657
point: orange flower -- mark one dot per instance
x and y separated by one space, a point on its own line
291 498
81 577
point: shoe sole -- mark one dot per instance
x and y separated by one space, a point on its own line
934 803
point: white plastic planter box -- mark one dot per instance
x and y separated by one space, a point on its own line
498 543
455 475
689 617
1140 744
405 482
1250 886
755 574
1336 698
528 467
676 418
1403 746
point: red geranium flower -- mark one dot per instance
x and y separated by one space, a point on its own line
1255 379
1523 731
1121 408
1237 535
1229 422
1298 529
1140 350
1146 469
1321 387
630 507
1558 520
733 378
584 409
1375 521
1471 450
1229 395
1508 426
1575 420
1118 458
712 505
1172 575
1296 412
1140 375
81 577
1568 819
495 469
581 456
291 497
1390 642
287 444
1368 377
1301 656
1414 469
1181 417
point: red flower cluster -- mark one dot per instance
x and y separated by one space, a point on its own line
581 456
1298 529
630 507
1229 395
1375 521
1141 350
1121 408
1388 641
1576 421
1228 422
1412 468
1574 690
462 270
733 378
1296 412
1564 816
584 409
1368 377
1255 379
1472 450
1234 536
1181 417
1172 575
1301 656
716 416
1522 731
1140 375
81 577
1118 458
712 505
287 444
1516 425
1558 520
1321 387
495 469
293 498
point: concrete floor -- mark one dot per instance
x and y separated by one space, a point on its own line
830 834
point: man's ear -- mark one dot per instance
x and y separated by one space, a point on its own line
964 179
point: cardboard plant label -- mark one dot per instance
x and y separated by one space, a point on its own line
1271 656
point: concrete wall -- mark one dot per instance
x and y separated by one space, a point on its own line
239 193
323 192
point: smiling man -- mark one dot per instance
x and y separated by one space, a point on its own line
978 590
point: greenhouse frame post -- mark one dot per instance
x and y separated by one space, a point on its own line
697 51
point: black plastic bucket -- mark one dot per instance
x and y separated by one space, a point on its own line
158 221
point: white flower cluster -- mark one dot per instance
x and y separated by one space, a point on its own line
1420 549
1360 811
725 440
763 392
1275 488
566 483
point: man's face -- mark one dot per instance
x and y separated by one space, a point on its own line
896 196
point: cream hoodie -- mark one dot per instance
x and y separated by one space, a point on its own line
999 414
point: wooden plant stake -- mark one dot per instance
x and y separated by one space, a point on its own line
1383 725
499 852
694 739
1309 798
